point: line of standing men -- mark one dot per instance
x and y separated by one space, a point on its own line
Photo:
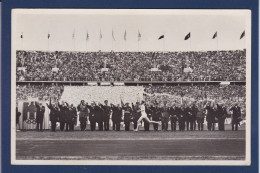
101 114
64 113
184 116
187 117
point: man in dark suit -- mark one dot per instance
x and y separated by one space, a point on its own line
92 116
127 116
173 117
235 116
181 118
156 116
39 116
18 114
225 115
221 117
67 116
200 116
214 117
188 117
62 115
194 111
210 117
116 116
72 117
100 116
165 118
107 112
53 115
83 115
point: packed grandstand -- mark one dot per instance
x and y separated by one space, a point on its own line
131 66
153 67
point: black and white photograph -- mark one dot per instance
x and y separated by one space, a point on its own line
131 87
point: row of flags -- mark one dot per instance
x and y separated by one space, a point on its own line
139 35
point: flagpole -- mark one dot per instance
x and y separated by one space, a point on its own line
138 39
48 41
125 39
73 39
22 40
86 45
242 37
244 42
100 37
48 45
125 45
112 40
99 43
217 43
190 44
164 42
138 44
74 42
87 42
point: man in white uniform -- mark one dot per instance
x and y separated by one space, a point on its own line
144 116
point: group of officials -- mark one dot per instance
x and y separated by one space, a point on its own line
187 117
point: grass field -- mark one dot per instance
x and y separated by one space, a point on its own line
151 145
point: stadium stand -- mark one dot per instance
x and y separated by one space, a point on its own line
131 66
163 78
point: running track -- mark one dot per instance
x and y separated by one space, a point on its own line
141 148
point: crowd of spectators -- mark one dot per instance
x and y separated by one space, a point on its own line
227 95
198 91
40 92
131 66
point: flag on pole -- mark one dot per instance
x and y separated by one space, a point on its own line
161 37
87 38
215 35
21 35
242 35
125 36
113 34
139 36
187 36
48 36
100 35
73 34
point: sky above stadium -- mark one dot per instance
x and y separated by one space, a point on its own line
68 30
